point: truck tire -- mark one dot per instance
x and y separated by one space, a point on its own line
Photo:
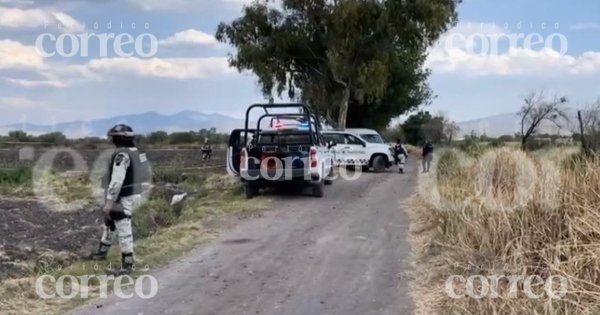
251 190
378 162
318 190
329 178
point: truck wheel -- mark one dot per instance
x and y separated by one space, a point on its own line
251 190
378 163
318 190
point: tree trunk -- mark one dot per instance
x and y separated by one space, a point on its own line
343 114
582 133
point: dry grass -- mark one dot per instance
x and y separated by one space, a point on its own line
508 213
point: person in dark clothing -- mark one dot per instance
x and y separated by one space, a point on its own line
427 156
400 155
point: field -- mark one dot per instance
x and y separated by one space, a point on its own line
481 225
64 160
33 230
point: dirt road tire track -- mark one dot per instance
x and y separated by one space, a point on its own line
342 254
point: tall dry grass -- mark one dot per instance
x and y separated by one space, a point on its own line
507 213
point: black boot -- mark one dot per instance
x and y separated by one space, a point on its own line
126 266
101 253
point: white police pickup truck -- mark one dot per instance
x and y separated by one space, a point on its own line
290 148
360 147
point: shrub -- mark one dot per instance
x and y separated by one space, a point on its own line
16 176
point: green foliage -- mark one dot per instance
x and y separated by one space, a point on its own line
151 216
472 145
433 130
56 138
158 137
359 61
394 133
181 137
537 144
496 143
18 135
507 138
16 176
413 125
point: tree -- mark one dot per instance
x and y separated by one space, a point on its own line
182 137
53 138
588 128
19 135
538 109
413 125
158 137
394 133
433 130
451 129
506 138
356 61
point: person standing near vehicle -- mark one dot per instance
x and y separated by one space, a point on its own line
400 154
427 156
127 179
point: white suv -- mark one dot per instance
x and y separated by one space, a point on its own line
360 147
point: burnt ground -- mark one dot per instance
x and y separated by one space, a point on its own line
30 234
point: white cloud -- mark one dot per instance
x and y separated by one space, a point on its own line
184 5
454 54
188 37
33 18
16 55
157 5
16 102
173 68
37 83
585 27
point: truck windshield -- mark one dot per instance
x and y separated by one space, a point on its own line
372 138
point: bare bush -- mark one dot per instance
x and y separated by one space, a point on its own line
537 109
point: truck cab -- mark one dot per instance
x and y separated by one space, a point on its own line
360 147
284 147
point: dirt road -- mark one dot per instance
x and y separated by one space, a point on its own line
345 254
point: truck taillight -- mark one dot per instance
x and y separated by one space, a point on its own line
313 157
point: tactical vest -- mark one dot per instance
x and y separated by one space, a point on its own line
138 175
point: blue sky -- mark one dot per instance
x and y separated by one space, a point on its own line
189 70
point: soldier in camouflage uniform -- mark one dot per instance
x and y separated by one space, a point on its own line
127 179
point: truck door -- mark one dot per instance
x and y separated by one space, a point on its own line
353 150
235 145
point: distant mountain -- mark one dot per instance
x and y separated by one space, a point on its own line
509 124
141 123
